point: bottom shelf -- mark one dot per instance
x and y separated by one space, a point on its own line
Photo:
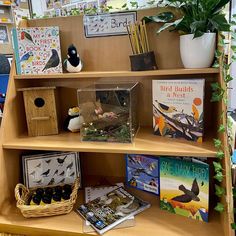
152 220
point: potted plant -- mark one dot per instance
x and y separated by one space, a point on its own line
198 22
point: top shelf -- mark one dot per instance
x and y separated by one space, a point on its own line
102 74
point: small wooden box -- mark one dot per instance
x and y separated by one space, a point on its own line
41 110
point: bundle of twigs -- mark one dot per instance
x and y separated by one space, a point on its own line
138 37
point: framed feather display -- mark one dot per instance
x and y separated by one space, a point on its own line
50 169
37 50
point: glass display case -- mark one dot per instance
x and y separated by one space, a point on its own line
109 112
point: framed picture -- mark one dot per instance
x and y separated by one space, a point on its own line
108 24
4 34
50 169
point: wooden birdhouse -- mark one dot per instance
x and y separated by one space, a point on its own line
41 110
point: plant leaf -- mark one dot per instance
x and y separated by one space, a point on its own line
219 176
168 25
163 17
217 143
217 166
220 154
221 129
233 225
219 191
219 23
219 207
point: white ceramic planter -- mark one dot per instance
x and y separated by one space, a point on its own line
198 52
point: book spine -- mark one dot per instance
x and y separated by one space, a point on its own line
16 50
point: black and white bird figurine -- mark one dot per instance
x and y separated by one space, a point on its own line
73 63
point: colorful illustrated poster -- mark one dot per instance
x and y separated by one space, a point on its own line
184 188
37 50
142 172
178 108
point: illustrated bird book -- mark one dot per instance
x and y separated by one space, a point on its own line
184 188
92 193
37 50
142 172
178 108
111 209
50 169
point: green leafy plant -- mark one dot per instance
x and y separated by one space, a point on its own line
193 17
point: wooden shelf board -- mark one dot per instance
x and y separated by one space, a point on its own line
144 143
152 220
101 74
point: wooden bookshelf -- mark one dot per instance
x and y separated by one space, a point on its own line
150 221
107 60
102 74
144 143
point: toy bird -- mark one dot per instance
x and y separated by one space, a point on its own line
61 161
25 35
53 61
189 195
164 108
73 121
73 63
45 173
27 57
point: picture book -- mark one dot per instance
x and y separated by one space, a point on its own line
92 193
178 108
184 188
142 172
111 209
37 50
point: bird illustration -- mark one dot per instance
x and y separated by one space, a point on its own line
26 35
52 181
62 173
38 166
62 181
72 174
33 173
53 61
39 181
61 160
73 63
48 161
27 57
69 166
189 195
166 109
45 174
55 173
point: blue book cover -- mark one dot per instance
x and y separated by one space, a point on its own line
142 172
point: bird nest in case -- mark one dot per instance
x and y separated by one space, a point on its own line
23 196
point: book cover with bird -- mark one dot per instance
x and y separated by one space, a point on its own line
184 188
142 172
178 108
37 50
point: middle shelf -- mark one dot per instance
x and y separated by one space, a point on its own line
144 143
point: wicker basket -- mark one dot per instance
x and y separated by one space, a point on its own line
22 195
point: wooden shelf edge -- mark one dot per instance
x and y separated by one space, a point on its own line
144 143
99 74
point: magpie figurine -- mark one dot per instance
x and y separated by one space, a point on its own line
189 195
73 63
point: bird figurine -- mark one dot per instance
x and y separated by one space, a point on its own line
53 61
166 109
189 195
27 36
73 121
73 63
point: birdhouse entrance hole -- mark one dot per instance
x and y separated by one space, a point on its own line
39 102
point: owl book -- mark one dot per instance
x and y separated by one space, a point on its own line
37 50
184 187
111 209
142 172
178 108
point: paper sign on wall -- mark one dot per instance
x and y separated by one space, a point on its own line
3 34
108 24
